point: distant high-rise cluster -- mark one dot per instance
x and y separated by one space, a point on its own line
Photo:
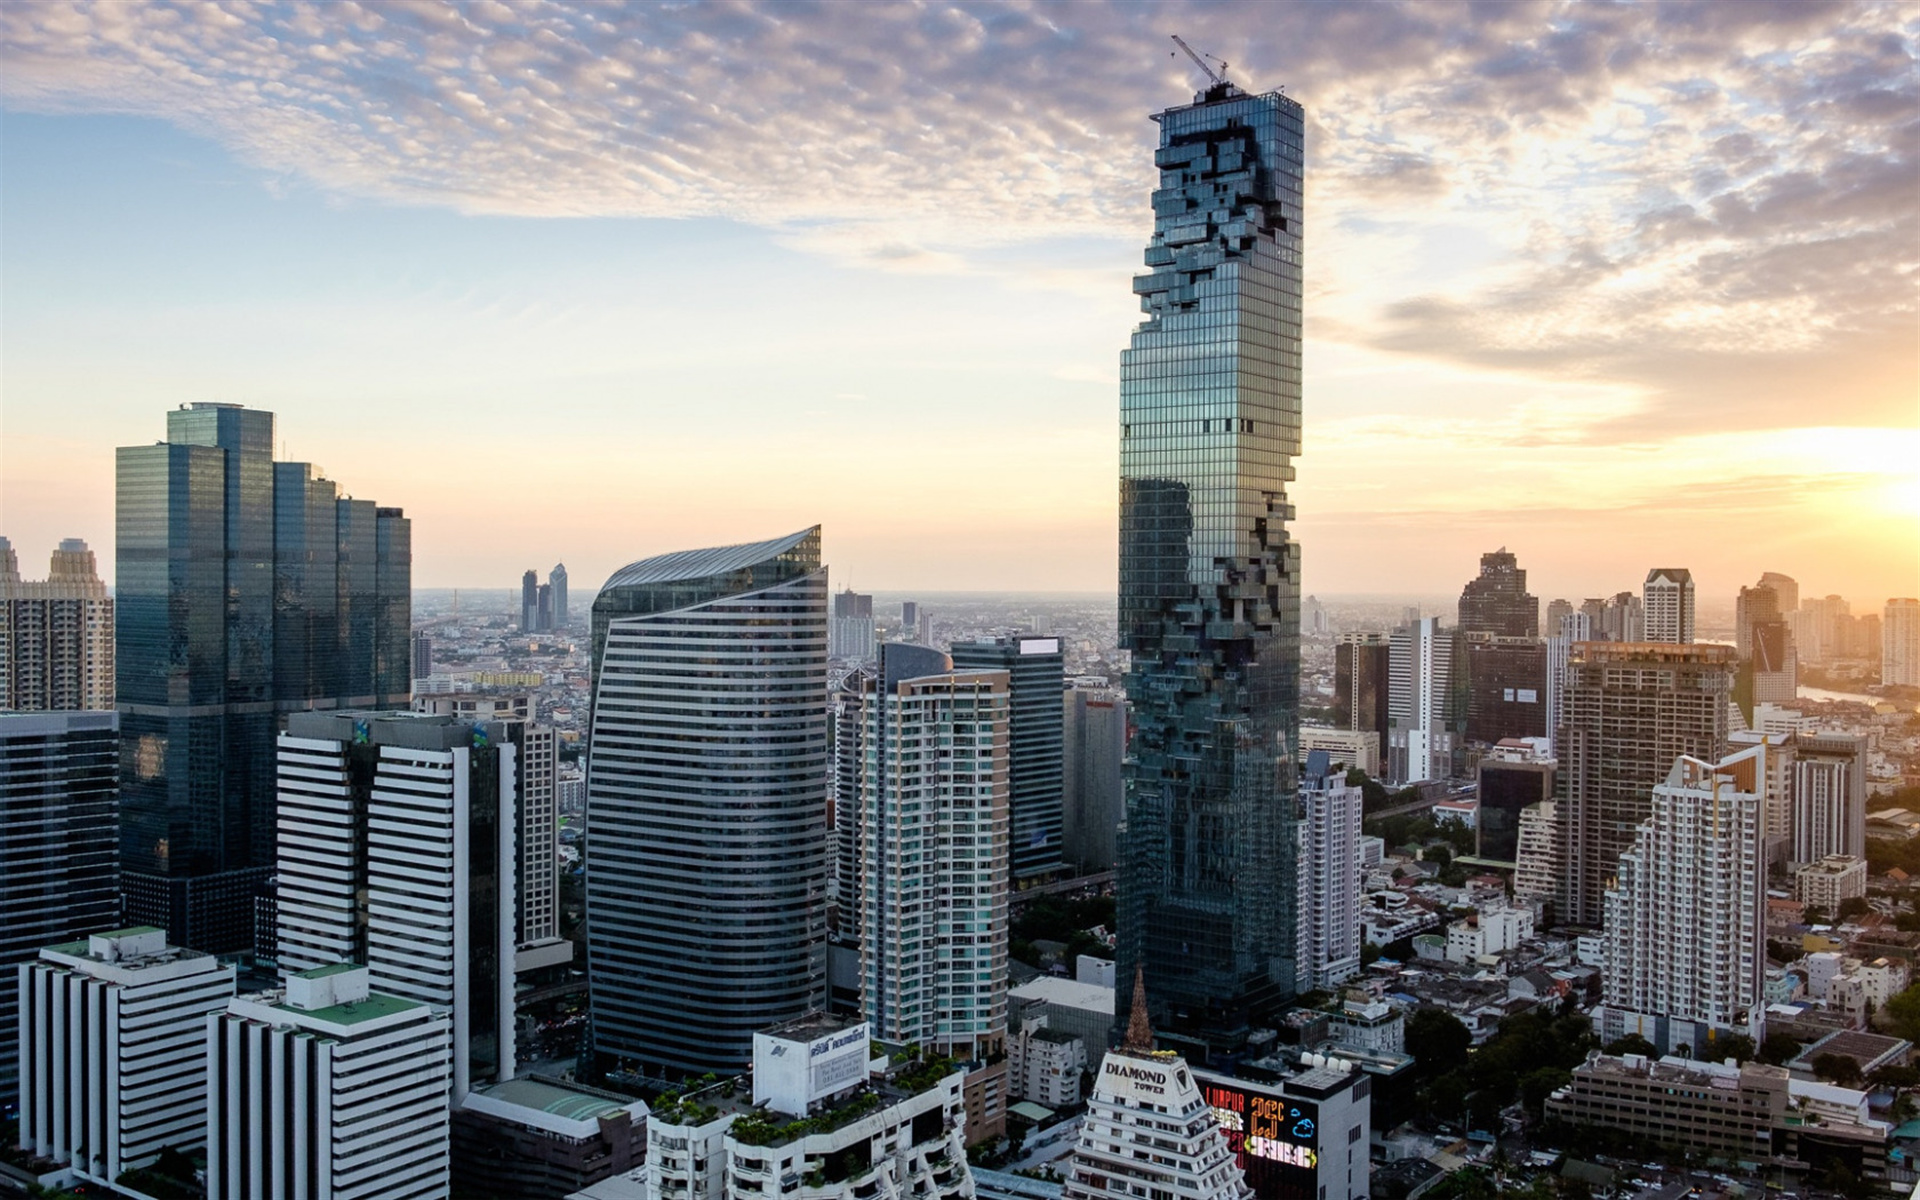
850 632
543 606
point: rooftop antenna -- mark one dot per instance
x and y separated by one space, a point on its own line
1219 77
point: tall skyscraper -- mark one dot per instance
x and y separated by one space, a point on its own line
1209 579
707 797
1556 609
246 589
112 1069
1686 919
1622 618
1036 753
1774 662
1506 688
1785 588
849 715
1329 867
326 1089
1094 738
1361 662
1573 627
934 854
1420 686
1816 628
397 835
557 584
1511 780
56 636
1498 602
1668 600
422 655
850 636
1829 796
1753 606
530 601
59 844
1631 710
1900 643
543 607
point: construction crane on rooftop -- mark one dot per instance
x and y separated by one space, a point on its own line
1219 77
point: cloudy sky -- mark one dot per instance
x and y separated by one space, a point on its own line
1611 285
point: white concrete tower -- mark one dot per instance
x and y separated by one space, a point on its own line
1419 677
1686 919
1668 598
934 854
111 1030
1148 1131
327 1090
1329 878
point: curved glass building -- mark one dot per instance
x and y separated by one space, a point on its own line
707 803
1209 580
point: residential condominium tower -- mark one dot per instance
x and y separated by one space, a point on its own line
1900 643
1631 709
707 801
1330 876
56 635
1420 686
1209 579
246 589
1036 749
1668 597
934 820
1686 916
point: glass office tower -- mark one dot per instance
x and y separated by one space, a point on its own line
246 589
707 804
1036 758
1209 582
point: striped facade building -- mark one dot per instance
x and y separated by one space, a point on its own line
707 800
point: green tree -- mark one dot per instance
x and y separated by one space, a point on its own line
1903 1013
1736 1046
1438 1042
1779 1049
1837 1068
1854 906
1633 1043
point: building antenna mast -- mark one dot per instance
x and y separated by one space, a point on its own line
1218 78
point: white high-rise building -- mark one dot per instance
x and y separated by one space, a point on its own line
1829 796
1329 879
1537 874
328 1090
1419 674
1777 798
1900 643
1668 599
56 635
1573 627
934 854
1148 1131
1686 918
112 1062
398 851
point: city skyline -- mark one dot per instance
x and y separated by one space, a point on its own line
1558 289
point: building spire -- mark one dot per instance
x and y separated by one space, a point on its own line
1139 1032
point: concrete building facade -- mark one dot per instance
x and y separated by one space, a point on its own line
56 635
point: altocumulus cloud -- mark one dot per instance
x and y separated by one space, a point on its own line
1714 203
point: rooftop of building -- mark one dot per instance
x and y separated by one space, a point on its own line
813 1025
1867 1049
702 564
1069 993
567 1103
352 1012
